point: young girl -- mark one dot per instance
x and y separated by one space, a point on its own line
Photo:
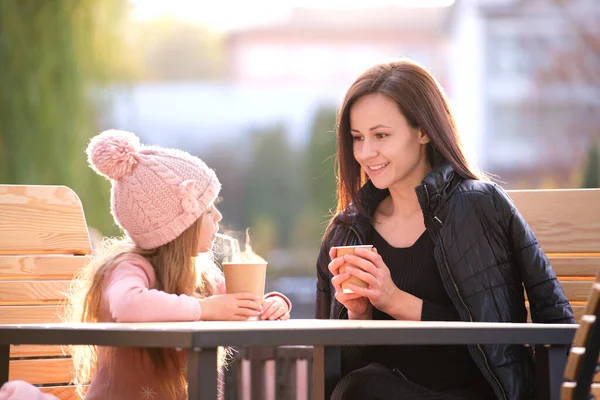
163 199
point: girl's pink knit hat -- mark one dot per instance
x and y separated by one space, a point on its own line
156 193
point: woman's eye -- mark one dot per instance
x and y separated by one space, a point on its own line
356 138
381 135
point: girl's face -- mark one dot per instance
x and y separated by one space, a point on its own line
388 149
209 226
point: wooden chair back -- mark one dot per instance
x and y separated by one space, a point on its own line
582 365
567 225
44 240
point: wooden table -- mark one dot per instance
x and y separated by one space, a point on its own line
201 339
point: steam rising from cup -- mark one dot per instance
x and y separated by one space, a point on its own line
245 271
238 256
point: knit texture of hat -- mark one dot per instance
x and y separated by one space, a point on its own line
156 193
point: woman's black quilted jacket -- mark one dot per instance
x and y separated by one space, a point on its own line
485 253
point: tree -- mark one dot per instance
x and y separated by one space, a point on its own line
591 176
569 65
54 55
576 59
320 179
321 161
232 172
273 187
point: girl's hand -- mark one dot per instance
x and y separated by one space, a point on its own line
15 390
358 306
275 308
381 291
230 307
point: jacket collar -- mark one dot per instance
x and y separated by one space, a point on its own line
432 192
435 188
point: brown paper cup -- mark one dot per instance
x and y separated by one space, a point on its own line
245 277
343 250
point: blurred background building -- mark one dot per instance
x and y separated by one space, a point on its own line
536 75
253 87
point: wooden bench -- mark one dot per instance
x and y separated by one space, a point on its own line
44 240
567 225
583 362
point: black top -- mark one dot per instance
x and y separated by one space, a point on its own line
441 368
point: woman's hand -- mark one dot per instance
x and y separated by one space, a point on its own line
357 305
381 291
275 308
230 307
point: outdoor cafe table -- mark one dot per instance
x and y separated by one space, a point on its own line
201 339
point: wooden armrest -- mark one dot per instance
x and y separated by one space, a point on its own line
568 389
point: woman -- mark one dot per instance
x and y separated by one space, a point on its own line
449 246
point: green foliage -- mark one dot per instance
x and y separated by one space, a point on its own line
591 175
263 234
273 186
320 166
54 54
284 195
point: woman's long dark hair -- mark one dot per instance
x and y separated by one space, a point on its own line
424 105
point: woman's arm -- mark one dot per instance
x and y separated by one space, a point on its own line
434 312
546 297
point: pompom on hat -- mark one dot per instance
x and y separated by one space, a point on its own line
156 193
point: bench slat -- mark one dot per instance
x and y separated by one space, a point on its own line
41 371
564 221
568 390
62 392
573 363
575 266
585 325
40 267
35 350
32 292
30 314
55 221
575 290
593 299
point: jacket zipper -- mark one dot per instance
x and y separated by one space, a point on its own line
489 370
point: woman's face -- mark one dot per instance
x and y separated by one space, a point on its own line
209 226
388 149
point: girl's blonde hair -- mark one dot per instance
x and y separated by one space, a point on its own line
177 272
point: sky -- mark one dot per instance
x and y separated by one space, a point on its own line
233 14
